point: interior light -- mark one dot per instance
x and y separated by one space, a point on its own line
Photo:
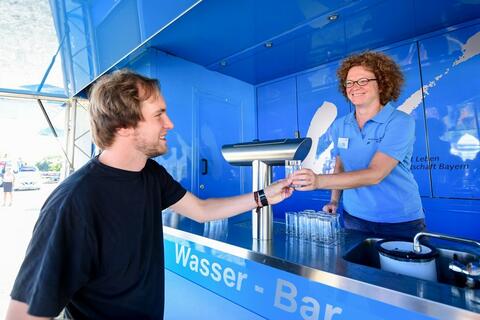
333 17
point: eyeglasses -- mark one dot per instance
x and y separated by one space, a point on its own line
361 82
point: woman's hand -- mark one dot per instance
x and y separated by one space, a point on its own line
304 180
278 191
331 207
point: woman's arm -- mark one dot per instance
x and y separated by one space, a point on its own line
380 166
336 194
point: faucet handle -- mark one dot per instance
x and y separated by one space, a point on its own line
471 269
457 266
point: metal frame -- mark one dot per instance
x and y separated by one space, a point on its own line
68 146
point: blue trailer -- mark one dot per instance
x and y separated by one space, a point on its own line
240 70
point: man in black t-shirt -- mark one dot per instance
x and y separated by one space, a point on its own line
97 247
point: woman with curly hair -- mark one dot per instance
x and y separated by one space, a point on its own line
373 147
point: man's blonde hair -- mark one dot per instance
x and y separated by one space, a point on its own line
115 102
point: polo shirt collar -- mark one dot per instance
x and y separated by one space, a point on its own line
380 117
351 118
384 114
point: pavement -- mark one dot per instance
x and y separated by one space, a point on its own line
16 226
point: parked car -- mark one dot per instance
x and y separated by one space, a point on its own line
50 176
27 178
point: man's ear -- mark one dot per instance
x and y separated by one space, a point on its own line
124 132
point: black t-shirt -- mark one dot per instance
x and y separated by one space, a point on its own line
97 246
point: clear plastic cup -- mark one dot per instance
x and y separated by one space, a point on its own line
315 230
313 226
330 226
291 223
302 225
291 166
288 222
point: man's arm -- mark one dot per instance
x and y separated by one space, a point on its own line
380 167
221 208
19 311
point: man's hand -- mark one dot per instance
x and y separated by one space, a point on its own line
278 191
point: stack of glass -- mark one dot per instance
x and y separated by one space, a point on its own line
311 225
216 229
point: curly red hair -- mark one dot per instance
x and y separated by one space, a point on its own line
387 72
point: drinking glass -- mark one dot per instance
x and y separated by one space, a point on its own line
289 223
302 225
291 166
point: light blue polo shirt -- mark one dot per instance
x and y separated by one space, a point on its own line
392 132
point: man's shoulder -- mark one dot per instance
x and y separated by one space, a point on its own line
80 178
156 167
75 186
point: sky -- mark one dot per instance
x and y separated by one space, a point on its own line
28 43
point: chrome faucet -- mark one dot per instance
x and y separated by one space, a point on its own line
261 156
416 240
471 269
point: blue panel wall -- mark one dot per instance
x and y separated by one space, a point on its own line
316 88
450 66
450 69
410 101
131 20
375 26
121 21
277 110
219 119
359 25
155 15
277 119
442 14
459 217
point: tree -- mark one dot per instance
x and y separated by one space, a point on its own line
50 163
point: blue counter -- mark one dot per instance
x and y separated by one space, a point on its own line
288 278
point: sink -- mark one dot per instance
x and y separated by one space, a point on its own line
366 254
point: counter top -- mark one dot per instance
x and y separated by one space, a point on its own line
325 264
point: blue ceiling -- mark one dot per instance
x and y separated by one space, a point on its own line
257 41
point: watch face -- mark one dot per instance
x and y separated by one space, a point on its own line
263 198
